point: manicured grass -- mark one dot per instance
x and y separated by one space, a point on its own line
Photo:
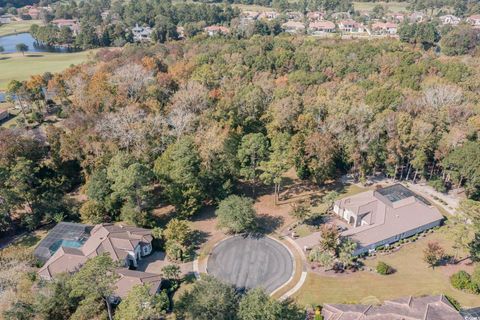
392 6
413 277
252 7
15 66
17 27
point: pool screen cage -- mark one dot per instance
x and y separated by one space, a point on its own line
62 231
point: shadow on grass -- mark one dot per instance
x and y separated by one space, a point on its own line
34 55
189 278
198 238
4 58
268 223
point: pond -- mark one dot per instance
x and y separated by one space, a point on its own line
9 42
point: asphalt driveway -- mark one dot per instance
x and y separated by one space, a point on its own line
250 262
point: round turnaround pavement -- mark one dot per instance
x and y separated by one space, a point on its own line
249 262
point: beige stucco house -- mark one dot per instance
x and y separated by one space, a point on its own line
123 243
384 216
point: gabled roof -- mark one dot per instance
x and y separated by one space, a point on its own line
130 278
408 308
64 260
322 25
116 240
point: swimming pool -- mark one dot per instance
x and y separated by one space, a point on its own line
66 243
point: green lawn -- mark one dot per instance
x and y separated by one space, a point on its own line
413 277
392 6
17 27
17 67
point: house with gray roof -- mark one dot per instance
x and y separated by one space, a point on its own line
409 308
384 216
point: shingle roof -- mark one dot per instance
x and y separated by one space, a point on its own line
130 278
116 240
409 308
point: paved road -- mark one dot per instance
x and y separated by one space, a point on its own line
249 262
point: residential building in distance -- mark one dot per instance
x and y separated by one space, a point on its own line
142 34
320 27
384 28
396 17
7 18
417 16
34 13
474 20
411 308
268 15
71 245
293 26
294 15
449 20
217 30
250 15
350 26
315 15
72 24
384 216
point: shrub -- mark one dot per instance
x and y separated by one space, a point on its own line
324 258
438 185
384 269
461 280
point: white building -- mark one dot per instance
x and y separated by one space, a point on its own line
383 216
351 26
384 28
142 34
449 20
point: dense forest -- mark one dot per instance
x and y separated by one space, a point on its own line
186 121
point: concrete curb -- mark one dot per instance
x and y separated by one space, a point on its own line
303 277
297 287
195 268
294 269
